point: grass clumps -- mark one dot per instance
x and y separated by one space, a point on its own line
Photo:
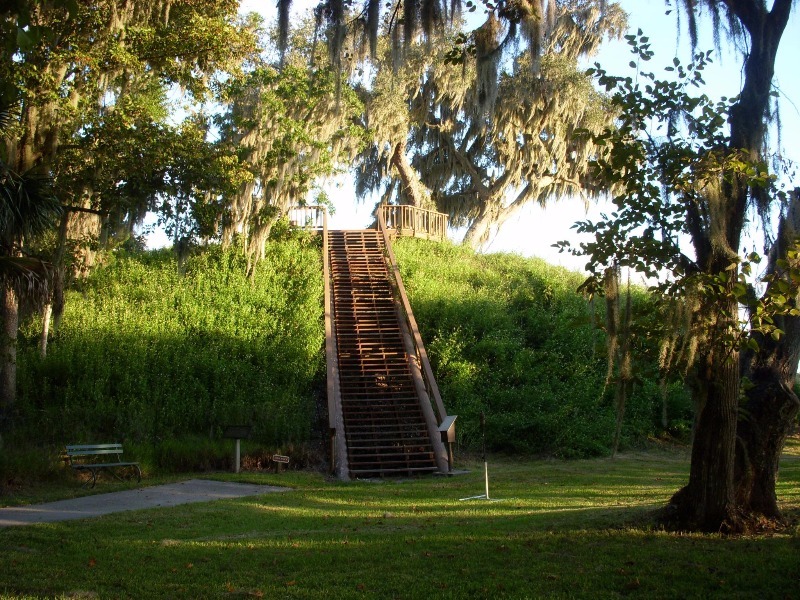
510 336
148 355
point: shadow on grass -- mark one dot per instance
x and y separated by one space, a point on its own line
312 546
584 534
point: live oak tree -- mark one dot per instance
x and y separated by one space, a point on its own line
480 140
71 67
737 448
691 166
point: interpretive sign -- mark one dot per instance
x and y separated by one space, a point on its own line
237 432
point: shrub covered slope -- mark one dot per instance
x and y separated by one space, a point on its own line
146 354
510 336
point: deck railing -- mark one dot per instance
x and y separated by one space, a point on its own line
406 220
308 217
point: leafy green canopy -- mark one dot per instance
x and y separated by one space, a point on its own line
667 160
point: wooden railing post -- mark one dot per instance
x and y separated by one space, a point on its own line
312 217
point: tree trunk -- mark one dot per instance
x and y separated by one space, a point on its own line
771 406
767 420
414 191
8 355
83 227
478 231
707 502
47 311
493 215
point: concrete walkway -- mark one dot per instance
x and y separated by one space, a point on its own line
194 490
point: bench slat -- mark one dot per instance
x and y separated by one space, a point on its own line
93 446
89 450
85 451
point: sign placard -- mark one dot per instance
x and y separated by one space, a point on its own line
280 459
237 432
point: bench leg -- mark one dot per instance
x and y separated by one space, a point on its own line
113 473
136 467
94 472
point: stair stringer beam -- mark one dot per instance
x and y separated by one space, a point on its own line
335 416
439 450
341 466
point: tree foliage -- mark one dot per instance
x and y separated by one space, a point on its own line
681 176
479 140
287 127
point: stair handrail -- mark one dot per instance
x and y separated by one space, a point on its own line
335 426
421 222
422 355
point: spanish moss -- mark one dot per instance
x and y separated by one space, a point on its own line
410 10
488 61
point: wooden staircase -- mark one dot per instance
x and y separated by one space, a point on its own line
385 428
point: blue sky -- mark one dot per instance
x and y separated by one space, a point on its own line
536 229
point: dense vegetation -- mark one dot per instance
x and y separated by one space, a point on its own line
511 337
147 354
163 360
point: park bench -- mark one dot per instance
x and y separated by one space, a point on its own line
98 457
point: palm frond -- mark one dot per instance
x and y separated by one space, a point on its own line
28 205
30 277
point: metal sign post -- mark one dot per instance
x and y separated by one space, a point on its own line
238 433
483 452
485 463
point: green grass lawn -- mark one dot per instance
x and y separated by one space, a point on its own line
558 529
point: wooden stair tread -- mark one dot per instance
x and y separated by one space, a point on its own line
384 425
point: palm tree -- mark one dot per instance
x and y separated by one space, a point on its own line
28 208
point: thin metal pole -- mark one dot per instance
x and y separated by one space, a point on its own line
483 450
238 454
